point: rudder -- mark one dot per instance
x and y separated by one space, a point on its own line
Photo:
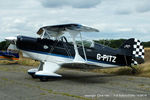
133 47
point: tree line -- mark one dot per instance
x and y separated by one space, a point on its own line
118 42
4 45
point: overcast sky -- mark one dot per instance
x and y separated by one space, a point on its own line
114 18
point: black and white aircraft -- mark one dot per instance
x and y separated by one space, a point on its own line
53 50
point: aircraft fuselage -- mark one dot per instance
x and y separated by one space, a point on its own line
63 52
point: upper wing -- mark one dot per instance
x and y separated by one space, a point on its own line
56 30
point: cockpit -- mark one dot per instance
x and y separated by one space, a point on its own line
86 43
59 37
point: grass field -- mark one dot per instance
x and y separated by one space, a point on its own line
142 69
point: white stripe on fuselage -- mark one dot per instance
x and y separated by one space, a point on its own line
46 57
59 60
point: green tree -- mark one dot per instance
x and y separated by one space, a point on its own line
146 44
4 45
111 43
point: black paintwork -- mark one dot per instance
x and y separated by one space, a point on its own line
66 49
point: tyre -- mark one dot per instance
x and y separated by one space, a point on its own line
43 79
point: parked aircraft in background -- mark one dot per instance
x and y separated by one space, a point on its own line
10 54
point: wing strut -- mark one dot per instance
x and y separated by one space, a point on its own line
83 47
77 58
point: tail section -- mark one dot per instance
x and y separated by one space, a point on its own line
133 47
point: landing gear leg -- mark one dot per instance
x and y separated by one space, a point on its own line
33 75
134 71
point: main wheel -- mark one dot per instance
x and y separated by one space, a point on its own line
43 79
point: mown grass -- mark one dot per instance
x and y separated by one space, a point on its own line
28 62
22 61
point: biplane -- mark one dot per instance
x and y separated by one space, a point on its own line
53 50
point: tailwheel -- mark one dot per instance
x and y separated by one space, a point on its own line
134 71
43 79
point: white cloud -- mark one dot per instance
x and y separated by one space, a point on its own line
123 12
19 4
72 3
125 30
114 18
143 6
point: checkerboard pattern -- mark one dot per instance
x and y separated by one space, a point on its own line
138 50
